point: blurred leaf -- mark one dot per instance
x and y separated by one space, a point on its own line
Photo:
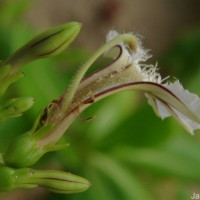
142 128
186 147
101 187
131 187
42 82
161 162
111 114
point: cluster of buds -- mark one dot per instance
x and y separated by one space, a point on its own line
25 148
127 71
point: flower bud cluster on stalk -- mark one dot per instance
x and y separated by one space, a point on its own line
127 71
24 150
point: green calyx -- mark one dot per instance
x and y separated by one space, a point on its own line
23 151
27 148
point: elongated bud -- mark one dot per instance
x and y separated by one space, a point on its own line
53 180
15 107
47 44
61 182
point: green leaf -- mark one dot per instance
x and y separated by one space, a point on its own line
160 162
126 181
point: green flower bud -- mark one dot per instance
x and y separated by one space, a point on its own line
60 182
55 181
49 43
15 107
23 151
26 150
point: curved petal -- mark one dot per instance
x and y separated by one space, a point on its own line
164 110
163 100
191 100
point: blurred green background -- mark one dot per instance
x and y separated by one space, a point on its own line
126 151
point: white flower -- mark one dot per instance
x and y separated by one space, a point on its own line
166 98
126 72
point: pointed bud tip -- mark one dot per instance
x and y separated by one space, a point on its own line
49 43
68 183
71 28
24 103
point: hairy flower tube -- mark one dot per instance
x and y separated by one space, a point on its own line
53 180
127 71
